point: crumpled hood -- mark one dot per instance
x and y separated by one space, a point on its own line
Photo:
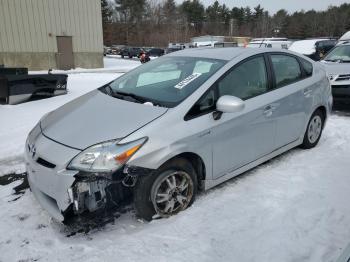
96 117
334 68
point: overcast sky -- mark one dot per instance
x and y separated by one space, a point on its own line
274 5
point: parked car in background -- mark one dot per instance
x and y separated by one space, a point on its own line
130 52
316 49
337 64
226 44
282 43
171 50
154 51
107 50
174 126
115 49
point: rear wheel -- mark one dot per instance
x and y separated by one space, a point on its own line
314 130
166 192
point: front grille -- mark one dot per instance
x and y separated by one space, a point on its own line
45 163
343 77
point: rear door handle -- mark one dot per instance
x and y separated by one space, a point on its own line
307 92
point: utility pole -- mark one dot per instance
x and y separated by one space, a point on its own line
231 27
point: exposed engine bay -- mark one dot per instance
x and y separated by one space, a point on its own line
94 192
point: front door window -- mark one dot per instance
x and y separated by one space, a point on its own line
246 80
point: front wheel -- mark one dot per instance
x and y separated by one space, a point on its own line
166 192
314 130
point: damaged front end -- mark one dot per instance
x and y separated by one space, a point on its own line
89 194
95 192
68 181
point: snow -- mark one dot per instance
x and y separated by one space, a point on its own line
305 47
112 64
292 208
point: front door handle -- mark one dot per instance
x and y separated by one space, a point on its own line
205 133
268 110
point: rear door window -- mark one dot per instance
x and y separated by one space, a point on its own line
286 68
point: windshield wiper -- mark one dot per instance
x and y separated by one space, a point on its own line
337 60
134 98
123 95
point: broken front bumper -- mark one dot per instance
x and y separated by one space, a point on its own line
60 191
49 181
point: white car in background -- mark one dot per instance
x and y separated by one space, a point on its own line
273 42
313 48
337 64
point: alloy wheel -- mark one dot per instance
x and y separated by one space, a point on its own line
172 194
315 128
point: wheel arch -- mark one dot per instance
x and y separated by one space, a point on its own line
197 163
323 110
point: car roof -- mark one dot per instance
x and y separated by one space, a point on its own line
226 53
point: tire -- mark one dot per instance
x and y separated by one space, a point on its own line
123 56
148 188
314 130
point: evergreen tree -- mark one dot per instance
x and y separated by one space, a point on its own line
194 13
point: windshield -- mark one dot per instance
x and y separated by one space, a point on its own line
164 81
339 53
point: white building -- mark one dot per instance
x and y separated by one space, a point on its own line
206 40
210 40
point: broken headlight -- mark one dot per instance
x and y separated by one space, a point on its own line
105 157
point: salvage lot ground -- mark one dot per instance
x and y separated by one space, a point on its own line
293 208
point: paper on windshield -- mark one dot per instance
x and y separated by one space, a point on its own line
187 80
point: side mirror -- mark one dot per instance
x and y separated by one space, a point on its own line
228 104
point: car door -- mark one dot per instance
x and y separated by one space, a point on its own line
240 138
292 97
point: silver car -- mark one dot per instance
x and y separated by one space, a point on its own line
180 124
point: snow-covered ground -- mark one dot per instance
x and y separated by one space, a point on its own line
17 120
112 64
293 208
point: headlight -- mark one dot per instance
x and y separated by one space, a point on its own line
105 157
